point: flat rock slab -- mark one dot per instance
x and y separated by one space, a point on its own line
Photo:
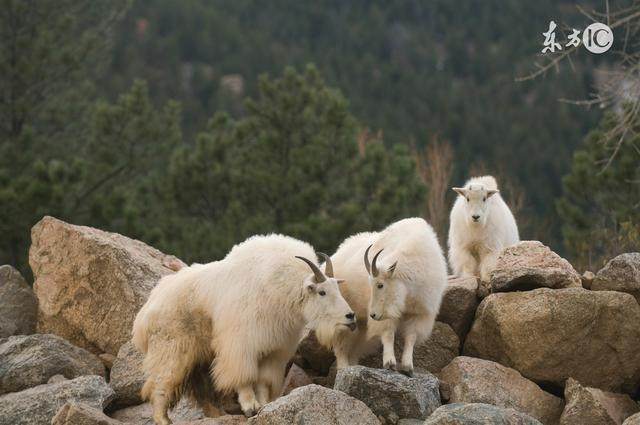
38 405
530 264
620 274
18 304
389 394
30 360
478 414
90 284
471 380
313 404
142 414
551 335
592 406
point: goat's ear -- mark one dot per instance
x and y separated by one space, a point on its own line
309 285
460 191
492 192
391 269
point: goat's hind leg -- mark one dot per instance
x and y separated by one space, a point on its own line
168 366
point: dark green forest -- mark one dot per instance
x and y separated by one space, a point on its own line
193 124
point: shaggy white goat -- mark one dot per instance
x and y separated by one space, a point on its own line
400 290
481 225
239 319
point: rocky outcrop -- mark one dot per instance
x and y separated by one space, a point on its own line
82 414
620 274
595 407
551 335
127 377
38 405
459 304
429 356
470 380
313 404
18 304
77 269
30 360
478 414
530 264
389 394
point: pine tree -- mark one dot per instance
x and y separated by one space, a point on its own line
292 165
600 208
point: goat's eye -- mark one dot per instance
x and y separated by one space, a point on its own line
322 293
380 285
467 199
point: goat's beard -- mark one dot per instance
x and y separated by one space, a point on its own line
325 332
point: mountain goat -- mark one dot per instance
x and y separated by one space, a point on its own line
399 290
232 325
481 225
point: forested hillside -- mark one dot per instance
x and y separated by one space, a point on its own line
133 117
415 70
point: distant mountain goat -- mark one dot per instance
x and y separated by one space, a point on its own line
399 290
481 225
239 319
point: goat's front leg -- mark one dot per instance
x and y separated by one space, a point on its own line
388 354
248 401
406 364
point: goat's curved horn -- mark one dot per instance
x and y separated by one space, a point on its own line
328 265
374 267
319 277
366 259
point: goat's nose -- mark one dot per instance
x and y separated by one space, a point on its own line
350 316
475 217
373 315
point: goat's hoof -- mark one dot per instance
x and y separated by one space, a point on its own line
406 370
250 412
390 365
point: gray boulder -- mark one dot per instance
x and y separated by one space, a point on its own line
459 304
313 404
38 405
74 413
18 304
30 360
478 414
389 394
127 377
622 274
